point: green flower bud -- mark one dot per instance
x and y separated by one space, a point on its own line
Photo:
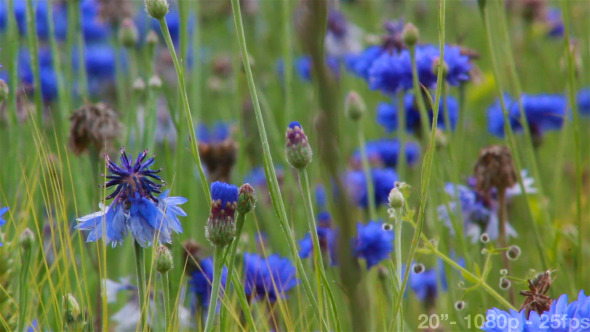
246 199
71 309
27 238
128 35
163 260
410 34
354 106
156 8
155 83
396 198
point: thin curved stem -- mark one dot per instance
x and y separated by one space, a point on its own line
217 268
141 287
367 171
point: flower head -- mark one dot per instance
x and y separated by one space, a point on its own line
268 278
218 150
201 281
94 125
298 151
373 242
494 168
383 181
221 224
2 221
134 208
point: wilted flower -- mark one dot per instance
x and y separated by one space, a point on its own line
268 278
372 242
494 168
95 126
218 150
134 209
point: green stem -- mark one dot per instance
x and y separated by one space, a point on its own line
319 264
427 167
401 135
168 321
233 247
239 287
268 164
12 58
187 110
62 96
34 57
141 286
578 147
287 60
398 261
23 290
83 80
419 99
217 268
367 171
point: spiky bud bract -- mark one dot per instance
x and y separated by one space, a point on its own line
246 199
354 106
298 151
156 8
221 226
163 261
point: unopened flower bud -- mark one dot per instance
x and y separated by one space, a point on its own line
405 188
410 34
139 86
459 305
71 309
221 226
151 38
513 252
396 198
505 283
163 261
128 35
354 106
246 199
27 238
155 83
298 151
418 268
4 90
156 8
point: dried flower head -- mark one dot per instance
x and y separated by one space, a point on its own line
494 168
115 11
192 252
218 150
536 300
94 126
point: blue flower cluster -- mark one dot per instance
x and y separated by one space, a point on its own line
373 243
561 316
134 208
219 132
387 114
543 112
383 181
268 278
2 221
201 281
385 152
391 71
328 238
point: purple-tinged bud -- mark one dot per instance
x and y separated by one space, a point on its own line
163 261
221 226
4 90
410 34
156 8
354 106
128 35
246 199
298 151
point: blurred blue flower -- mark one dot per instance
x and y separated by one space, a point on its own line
554 22
268 278
383 181
327 236
562 316
95 30
359 64
543 112
173 21
387 114
479 214
213 135
304 67
200 283
134 208
386 152
583 101
2 221
373 242
320 197
47 75
257 178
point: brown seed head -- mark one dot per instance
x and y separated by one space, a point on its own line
94 125
494 168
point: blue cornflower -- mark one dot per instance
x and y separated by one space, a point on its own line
327 237
2 221
359 64
221 223
543 112
373 242
458 64
386 152
387 114
47 75
561 316
201 280
583 101
383 181
100 61
134 208
268 278
94 28
216 134
554 21
320 197
478 213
